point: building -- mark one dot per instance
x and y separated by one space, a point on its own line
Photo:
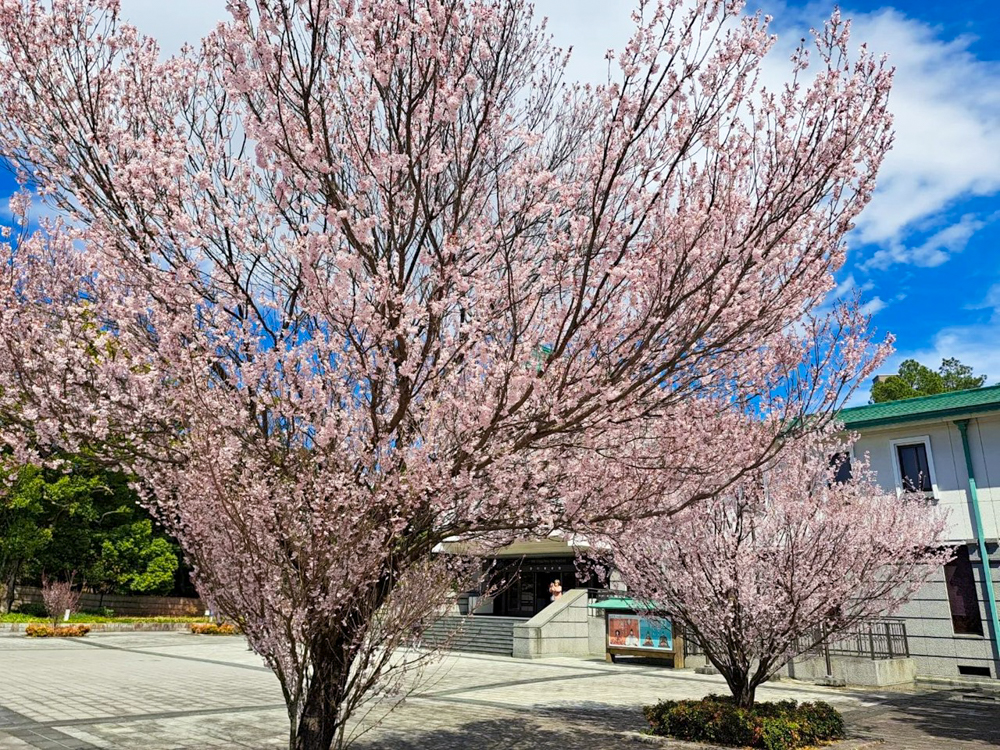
947 446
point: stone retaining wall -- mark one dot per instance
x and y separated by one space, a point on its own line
124 606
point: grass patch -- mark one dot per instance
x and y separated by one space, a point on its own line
83 617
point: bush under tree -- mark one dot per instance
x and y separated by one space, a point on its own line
781 725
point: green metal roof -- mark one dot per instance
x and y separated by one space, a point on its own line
940 406
622 603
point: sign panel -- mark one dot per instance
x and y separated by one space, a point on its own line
637 631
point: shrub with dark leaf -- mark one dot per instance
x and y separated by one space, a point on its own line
782 725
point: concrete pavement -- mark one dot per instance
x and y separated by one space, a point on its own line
168 691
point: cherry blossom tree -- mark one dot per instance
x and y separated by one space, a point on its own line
59 598
353 278
783 560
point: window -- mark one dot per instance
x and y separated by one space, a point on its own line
962 597
914 465
841 465
974 671
913 469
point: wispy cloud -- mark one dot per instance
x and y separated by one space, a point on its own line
931 252
947 108
874 305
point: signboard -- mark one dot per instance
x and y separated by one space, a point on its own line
638 631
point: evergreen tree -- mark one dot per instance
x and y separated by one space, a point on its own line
915 379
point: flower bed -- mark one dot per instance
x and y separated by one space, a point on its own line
783 725
211 628
44 630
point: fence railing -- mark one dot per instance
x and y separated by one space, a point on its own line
884 638
128 606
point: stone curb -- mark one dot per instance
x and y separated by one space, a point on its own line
670 742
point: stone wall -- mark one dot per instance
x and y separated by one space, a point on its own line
561 629
124 606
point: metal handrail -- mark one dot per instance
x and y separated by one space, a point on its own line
884 638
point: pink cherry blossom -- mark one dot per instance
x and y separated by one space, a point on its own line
783 560
355 277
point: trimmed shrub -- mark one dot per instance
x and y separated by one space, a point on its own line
44 630
211 628
34 609
781 725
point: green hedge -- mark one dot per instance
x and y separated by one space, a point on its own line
782 725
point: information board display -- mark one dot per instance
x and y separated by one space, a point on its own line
641 632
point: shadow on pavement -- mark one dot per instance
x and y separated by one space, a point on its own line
930 720
577 727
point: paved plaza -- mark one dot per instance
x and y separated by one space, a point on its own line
160 691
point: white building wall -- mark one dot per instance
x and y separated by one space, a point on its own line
984 440
937 649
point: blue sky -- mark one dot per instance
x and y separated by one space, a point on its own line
925 254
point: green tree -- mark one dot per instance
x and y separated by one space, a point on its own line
915 379
133 559
22 532
84 519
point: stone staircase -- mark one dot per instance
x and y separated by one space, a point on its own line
481 634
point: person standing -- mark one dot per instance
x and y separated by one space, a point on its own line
555 590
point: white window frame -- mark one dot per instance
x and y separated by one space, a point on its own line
897 472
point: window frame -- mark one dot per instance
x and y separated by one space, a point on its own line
897 471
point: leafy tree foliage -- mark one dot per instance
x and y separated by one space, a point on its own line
915 379
81 519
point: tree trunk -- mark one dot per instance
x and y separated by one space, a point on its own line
318 725
740 686
746 696
11 585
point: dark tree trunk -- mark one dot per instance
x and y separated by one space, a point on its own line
11 585
318 724
746 696
741 687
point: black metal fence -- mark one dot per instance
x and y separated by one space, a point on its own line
876 639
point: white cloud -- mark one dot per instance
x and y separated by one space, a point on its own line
933 251
874 305
991 300
850 286
946 104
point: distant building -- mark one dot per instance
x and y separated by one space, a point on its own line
947 446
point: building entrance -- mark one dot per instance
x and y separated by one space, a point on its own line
525 592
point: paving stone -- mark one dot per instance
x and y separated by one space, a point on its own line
174 691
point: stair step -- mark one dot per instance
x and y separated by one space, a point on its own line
485 635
